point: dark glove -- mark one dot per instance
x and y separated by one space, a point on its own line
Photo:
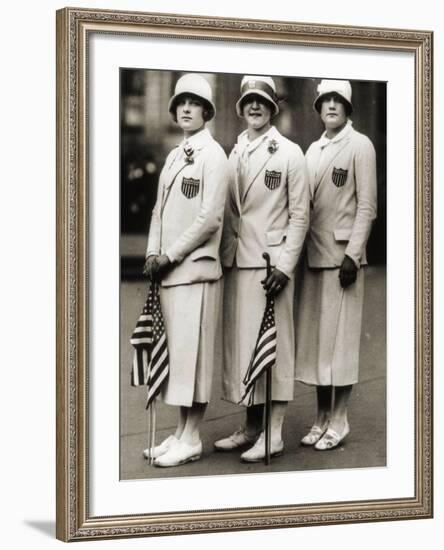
275 283
348 272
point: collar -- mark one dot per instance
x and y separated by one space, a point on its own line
198 140
244 144
324 140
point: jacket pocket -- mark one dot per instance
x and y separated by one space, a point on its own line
202 254
275 237
342 234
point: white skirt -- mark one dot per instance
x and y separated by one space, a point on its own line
244 305
193 323
329 328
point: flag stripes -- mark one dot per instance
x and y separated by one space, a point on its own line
141 339
150 361
264 354
143 333
140 367
159 368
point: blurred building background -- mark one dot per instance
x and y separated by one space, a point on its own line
148 133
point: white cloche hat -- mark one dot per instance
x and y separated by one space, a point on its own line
341 88
193 84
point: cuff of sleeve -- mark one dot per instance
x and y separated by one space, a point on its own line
150 253
356 260
285 271
172 257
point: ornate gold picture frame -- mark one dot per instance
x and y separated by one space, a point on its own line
76 519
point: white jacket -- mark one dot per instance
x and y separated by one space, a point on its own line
272 215
186 223
342 181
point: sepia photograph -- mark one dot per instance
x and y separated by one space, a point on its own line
253 254
244 288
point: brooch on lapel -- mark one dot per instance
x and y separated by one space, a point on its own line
273 146
189 152
339 176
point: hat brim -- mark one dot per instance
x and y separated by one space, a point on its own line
172 104
255 92
318 101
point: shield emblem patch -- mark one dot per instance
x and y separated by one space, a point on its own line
190 187
272 179
339 176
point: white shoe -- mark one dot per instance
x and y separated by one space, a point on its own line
314 435
238 439
161 449
180 453
257 452
331 438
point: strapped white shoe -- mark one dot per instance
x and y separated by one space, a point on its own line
162 448
331 438
257 452
314 435
180 453
238 439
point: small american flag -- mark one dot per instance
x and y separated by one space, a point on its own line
141 340
264 354
151 362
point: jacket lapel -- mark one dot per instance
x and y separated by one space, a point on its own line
234 169
169 180
175 169
197 142
273 135
254 177
329 156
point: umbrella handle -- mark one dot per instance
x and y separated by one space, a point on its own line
267 259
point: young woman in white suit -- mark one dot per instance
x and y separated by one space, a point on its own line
342 180
183 255
266 211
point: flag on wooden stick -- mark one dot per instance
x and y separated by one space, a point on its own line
150 362
264 354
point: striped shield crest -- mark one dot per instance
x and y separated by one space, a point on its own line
190 187
339 176
272 179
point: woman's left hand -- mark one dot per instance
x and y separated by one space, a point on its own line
163 266
275 283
